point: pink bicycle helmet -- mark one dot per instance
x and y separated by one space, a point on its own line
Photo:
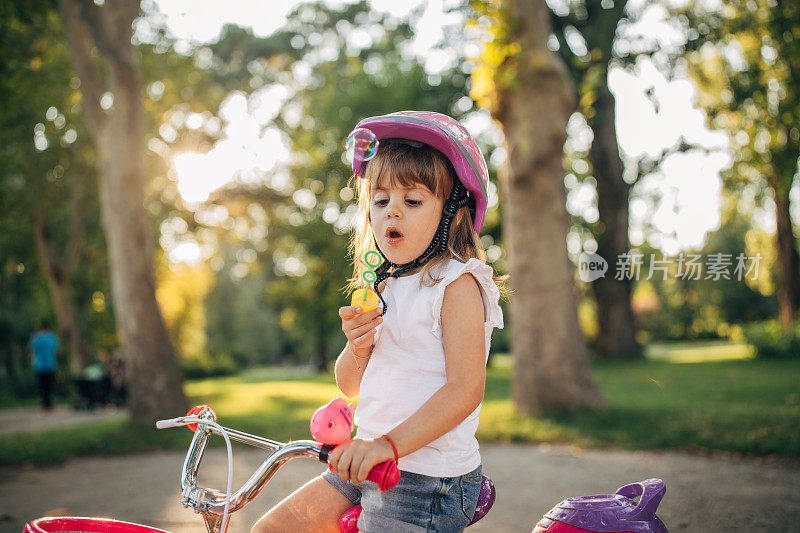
446 135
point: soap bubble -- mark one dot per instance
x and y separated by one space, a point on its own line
361 145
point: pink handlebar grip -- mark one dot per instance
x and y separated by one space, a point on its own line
386 475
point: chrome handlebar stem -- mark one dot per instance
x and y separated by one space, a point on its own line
211 503
214 501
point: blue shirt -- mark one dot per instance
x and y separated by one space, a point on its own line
44 345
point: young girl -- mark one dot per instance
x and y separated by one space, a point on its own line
418 363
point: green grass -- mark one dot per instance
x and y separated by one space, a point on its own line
735 405
274 402
743 406
699 352
100 438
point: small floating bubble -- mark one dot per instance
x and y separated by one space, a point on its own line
361 145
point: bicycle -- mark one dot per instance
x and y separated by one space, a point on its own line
599 512
213 505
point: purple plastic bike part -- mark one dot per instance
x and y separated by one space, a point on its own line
651 492
615 512
485 499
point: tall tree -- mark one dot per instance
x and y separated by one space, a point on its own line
529 91
593 37
100 35
596 22
745 60
588 34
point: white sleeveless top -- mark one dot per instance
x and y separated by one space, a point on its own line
407 367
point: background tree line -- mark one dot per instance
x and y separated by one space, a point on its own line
96 115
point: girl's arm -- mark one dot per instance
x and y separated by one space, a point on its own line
348 375
351 363
465 363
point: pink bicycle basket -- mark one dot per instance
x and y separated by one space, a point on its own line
50 524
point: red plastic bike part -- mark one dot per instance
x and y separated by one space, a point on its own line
89 525
386 475
348 522
196 410
547 525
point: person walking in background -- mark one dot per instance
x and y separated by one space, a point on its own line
43 345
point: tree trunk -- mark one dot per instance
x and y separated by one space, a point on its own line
58 279
58 272
616 333
156 385
788 262
551 363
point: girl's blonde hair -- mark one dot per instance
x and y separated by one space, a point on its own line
407 164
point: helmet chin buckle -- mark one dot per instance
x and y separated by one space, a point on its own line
451 208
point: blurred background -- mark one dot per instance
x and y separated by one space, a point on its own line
184 159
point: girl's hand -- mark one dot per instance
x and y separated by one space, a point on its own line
354 459
360 328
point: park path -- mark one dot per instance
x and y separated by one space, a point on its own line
704 494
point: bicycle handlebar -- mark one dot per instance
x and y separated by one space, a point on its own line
211 503
212 500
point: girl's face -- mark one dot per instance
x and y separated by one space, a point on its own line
404 220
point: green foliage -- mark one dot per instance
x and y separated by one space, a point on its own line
771 342
745 61
203 366
48 166
496 66
685 308
242 327
46 170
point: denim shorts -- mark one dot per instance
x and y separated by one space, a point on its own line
416 504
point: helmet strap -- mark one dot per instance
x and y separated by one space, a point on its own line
457 199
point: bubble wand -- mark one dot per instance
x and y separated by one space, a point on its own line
366 298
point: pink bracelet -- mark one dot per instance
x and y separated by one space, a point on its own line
394 448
